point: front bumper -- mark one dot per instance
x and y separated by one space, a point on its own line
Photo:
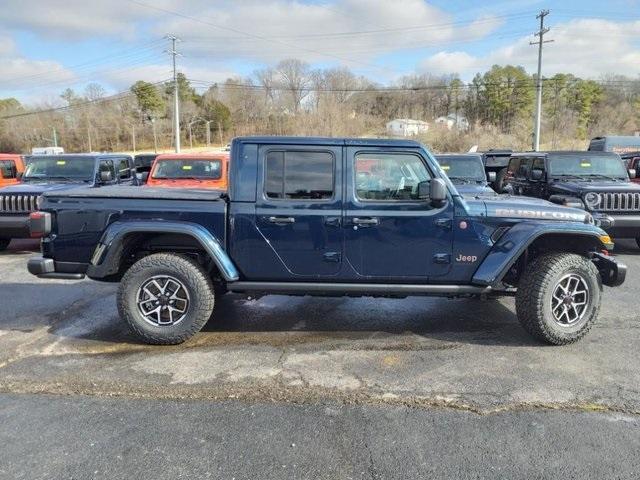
620 226
46 268
612 272
14 226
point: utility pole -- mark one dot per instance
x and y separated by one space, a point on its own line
55 137
208 123
176 101
541 41
133 137
155 137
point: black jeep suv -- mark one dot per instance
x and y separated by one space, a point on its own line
595 181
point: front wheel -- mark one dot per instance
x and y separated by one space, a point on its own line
166 298
4 243
559 298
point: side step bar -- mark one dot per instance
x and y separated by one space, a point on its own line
359 288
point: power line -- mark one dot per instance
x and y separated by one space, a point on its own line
258 37
112 98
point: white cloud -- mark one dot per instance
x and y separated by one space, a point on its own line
317 32
587 48
19 72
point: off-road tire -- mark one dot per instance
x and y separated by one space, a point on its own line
535 289
195 280
4 244
498 184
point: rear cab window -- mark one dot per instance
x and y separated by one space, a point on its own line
299 175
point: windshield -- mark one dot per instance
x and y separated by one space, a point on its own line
60 167
587 165
462 167
205 169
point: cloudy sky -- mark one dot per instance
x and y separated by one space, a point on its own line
48 45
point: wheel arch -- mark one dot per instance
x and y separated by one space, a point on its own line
526 242
123 238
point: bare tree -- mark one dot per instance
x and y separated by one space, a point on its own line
296 77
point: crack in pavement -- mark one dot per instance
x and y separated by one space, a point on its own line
295 395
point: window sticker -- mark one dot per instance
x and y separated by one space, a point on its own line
187 167
585 164
446 167
61 162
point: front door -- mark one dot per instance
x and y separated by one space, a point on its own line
389 232
298 211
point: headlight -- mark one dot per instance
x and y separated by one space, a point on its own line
592 199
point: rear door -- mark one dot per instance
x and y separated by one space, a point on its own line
389 232
298 211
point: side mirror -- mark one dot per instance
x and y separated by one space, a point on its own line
19 175
437 191
106 177
632 173
491 177
144 177
536 174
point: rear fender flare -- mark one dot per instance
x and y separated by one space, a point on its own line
105 260
518 238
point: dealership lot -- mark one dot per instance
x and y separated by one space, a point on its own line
461 365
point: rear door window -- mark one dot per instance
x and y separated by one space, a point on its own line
124 169
107 166
299 175
8 169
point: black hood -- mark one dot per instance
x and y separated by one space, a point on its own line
579 188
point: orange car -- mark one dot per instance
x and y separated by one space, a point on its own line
186 170
11 166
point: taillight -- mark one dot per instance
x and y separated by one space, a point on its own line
39 224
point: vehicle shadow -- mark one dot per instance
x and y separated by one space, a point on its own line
86 311
21 247
626 246
469 321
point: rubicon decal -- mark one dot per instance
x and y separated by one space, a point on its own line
541 214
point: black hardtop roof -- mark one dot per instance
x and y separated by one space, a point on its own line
562 152
81 155
466 154
340 141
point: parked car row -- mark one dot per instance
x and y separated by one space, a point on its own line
602 183
25 179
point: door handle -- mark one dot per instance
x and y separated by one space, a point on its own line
281 220
365 222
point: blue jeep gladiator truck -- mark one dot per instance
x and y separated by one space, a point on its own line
48 173
326 216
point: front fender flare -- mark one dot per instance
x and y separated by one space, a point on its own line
105 260
517 239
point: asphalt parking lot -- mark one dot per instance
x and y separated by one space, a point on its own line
410 382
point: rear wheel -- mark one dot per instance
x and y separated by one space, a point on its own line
166 298
498 185
4 243
559 297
